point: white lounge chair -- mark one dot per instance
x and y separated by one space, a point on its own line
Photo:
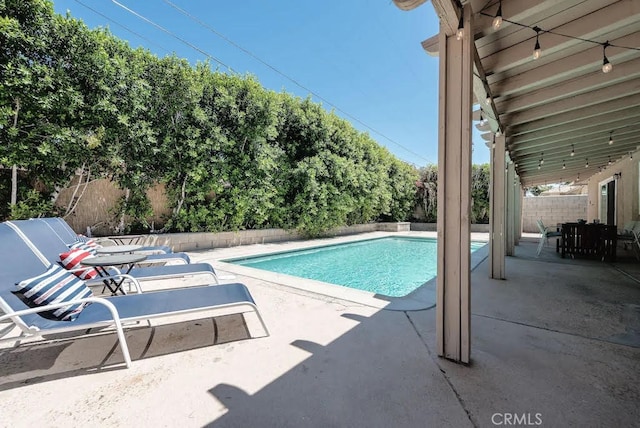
155 254
51 246
23 261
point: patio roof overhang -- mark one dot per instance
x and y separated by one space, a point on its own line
561 102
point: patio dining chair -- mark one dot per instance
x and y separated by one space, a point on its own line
55 301
545 234
629 237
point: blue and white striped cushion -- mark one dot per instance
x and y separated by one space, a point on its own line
79 245
89 241
56 285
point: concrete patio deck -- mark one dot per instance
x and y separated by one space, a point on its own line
557 344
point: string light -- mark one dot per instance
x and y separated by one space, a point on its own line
587 164
631 155
563 165
460 31
573 152
497 19
488 99
498 132
541 158
606 65
493 146
609 163
611 138
537 52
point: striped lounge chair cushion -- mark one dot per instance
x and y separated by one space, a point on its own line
72 259
56 285
89 246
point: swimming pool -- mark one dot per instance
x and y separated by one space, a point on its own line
390 266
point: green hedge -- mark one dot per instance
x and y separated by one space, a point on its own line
232 154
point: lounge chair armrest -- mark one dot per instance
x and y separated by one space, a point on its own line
99 300
44 308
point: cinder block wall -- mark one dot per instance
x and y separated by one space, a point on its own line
552 210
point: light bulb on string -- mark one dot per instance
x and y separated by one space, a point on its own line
460 30
606 65
537 52
497 20
564 166
586 165
609 163
573 152
611 138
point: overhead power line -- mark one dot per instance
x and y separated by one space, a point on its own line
161 28
122 26
247 52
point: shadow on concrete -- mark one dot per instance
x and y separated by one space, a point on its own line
555 342
64 356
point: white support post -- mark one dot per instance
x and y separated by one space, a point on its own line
511 209
517 191
497 226
519 201
453 309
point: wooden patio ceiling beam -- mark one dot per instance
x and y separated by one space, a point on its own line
553 72
594 150
577 102
574 116
597 79
526 12
598 126
408 4
621 13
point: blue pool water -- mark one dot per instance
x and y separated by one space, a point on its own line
392 266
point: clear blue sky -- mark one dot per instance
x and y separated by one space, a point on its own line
363 57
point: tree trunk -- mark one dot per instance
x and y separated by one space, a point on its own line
14 185
14 168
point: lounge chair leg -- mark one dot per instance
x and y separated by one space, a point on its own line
264 326
123 344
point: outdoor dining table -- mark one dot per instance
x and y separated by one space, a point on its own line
100 263
589 239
